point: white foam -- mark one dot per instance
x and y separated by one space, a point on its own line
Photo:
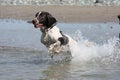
87 51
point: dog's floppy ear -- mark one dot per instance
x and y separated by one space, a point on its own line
51 21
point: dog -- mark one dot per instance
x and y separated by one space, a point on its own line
52 37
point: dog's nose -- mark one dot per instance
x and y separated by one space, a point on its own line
33 21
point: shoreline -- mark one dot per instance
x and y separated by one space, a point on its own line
63 13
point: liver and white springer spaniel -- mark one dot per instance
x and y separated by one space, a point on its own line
52 37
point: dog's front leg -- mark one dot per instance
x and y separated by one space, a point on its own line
45 39
54 48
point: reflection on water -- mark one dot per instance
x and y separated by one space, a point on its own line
23 57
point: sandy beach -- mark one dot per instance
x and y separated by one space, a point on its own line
63 13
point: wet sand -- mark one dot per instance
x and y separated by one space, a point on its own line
63 13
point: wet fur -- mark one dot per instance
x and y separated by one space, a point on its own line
52 37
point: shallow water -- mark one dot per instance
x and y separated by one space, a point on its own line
23 57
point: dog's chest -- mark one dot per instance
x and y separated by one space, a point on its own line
50 36
47 40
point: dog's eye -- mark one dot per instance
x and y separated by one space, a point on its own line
41 19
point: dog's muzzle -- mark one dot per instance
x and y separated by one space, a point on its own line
35 20
36 23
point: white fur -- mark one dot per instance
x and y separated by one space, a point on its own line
50 39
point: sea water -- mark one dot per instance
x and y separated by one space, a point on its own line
95 57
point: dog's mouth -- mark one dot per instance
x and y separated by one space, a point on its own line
37 24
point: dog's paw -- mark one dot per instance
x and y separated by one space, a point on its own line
55 48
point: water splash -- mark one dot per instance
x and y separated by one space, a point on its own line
86 51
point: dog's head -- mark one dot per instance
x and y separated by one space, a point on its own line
44 19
